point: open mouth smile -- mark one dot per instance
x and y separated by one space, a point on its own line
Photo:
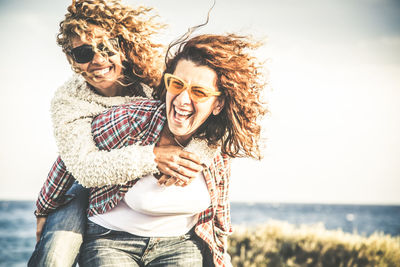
102 72
180 115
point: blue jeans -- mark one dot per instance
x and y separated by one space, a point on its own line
104 247
63 232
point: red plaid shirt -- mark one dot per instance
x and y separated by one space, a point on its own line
141 122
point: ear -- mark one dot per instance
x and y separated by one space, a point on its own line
219 106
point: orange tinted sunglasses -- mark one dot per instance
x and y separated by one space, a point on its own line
197 93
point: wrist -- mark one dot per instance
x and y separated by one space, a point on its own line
39 215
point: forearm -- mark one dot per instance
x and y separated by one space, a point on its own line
92 167
52 194
73 108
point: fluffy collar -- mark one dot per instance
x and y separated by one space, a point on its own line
75 100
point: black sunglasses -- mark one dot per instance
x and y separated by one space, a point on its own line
85 53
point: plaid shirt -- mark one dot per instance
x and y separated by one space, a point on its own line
141 123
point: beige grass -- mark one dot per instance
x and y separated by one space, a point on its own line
282 244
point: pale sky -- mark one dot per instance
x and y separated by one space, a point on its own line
333 134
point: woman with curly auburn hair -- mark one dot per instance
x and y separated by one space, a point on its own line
109 46
210 93
240 81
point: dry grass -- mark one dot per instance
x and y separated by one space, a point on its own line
282 244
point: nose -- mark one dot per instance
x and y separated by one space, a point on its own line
183 98
98 59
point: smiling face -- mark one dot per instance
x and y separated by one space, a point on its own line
103 72
183 114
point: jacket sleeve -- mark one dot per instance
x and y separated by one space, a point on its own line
92 167
72 118
52 194
222 219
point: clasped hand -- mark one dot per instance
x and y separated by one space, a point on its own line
177 167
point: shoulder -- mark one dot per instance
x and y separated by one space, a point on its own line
138 114
141 121
143 107
147 90
75 86
77 92
145 104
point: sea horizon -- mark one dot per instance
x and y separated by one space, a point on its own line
364 218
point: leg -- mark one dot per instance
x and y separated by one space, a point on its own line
104 247
183 251
207 255
63 232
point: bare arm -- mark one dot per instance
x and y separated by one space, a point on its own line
40 221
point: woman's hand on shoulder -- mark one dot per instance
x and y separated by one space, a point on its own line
178 167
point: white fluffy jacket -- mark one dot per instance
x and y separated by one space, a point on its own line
73 108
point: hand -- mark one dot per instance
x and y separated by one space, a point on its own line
168 180
178 166
39 227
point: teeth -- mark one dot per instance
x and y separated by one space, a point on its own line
183 113
101 72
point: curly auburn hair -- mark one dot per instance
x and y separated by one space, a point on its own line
133 27
239 78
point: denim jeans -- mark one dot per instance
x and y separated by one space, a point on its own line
63 232
104 247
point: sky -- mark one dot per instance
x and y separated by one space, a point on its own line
333 132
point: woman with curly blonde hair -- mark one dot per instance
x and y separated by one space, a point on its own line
109 46
134 29
210 93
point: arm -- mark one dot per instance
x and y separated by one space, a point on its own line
52 194
142 122
94 168
73 108
40 221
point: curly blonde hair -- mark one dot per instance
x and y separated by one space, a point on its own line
241 81
133 27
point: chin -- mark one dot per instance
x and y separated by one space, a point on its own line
179 132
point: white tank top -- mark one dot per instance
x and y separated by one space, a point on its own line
151 210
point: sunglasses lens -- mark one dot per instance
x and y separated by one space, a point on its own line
174 85
82 54
198 93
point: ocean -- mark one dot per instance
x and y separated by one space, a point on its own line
18 224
